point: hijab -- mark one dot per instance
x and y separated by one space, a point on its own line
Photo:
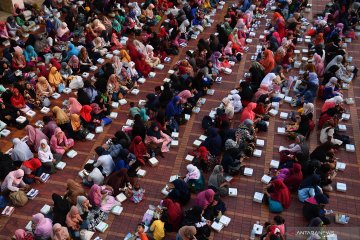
248 112
193 173
125 57
216 178
79 204
30 53
204 198
73 218
151 131
268 62
117 64
319 65
118 179
35 136
310 182
75 122
95 196
173 108
60 232
308 108
43 227
115 40
229 108
16 177
60 115
337 100
72 50
21 151
44 153
280 193
85 113
336 61
74 62
184 95
137 147
236 102
74 106
55 77
33 164
332 82
62 29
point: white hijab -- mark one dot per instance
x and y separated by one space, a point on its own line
336 61
45 154
268 79
21 151
236 102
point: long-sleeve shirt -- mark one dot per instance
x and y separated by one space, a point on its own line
107 164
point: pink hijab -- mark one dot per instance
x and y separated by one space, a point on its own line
74 106
115 40
205 198
95 196
35 136
184 95
62 29
43 225
228 49
20 234
319 65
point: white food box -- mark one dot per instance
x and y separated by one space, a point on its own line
93 68
141 80
175 135
258 197
141 173
288 99
30 113
99 129
227 71
45 110
71 154
203 137
174 143
83 173
102 226
60 165
261 37
121 197
101 60
152 74
45 209
281 130
116 52
114 104
193 36
117 210
248 40
67 90
187 117
342 127
212 114
129 122
197 143
166 80
248 172
85 75
260 142
252 34
258 229
196 110
233 192
153 162
18 73
284 115
6 43
56 95
274 164
341 187
165 190
305 50
275 105
224 220
113 115
340 166
171 71
297 51
273 112
122 102
282 148
109 56
90 136
350 148
257 153
349 101
304 59
332 236
297 64
135 91
266 179
280 95
173 178
215 225
28 226
189 158
21 119
5 132
232 63
210 91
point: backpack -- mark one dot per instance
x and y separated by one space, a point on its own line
18 199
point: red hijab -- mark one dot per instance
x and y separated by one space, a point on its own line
248 112
85 113
17 99
294 180
138 148
32 164
280 193
203 152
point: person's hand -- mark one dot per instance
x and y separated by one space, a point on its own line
208 222
53 160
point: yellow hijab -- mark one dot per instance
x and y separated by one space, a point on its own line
125 57
55 77
75 122
61 117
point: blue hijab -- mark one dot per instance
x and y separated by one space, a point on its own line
30 53
72 50
151 132
213 142
174 107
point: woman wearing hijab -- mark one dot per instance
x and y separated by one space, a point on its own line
138 148
30 55
18 101
194 178
331 89
175 214
74 106
118 180
205 198
21 234
257 74
278 195
60 232
63 33
156 138
21 151
236 103
309 187
180 192
86 117
139 59
319 65
43 226
46 157
13 182
73 219
43 88
248 113
18 61
150 57
73 190
61 118
295 177
313 210
72 51
332 103
35 136
32 170
229 108
101 200
184 96
173 108
55 78
268 62
213 142
218 182
60 143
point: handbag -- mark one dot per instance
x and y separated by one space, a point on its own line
18 199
